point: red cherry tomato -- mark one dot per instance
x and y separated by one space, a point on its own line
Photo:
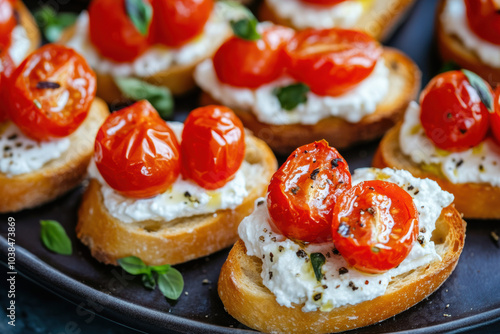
113 33
324 2
6 68
176 22
250 64
332 61
213 146
7 22
136 152
452 115
50 93
484 19
375 224
303 192
495 117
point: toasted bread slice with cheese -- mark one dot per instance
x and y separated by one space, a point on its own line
29 24
250 302
404 83
176 241
59 175
474 200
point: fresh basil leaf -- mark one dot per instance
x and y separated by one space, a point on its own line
148 281
317 261
291 96
246 28
52 23
232 10
54 237
171 283
161 269
133 265
160 97
140 13
481 88
449 66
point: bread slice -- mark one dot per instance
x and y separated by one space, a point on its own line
404 84
29 24
175 241
250 302
59 175
379 20
474 200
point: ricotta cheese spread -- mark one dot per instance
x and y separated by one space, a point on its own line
20 45
351 106
286 268
480 164
454 20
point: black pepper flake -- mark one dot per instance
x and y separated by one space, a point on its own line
459 163
271 256
344 230
352 286
328 255
449 115
261 238
295 190
264 256
379 282
314 173
335 251
371 211
410 187
273 239
314 160
463 131
281 248
317 297
371 188
338 286
47 85
421 239
12 137
325 286
335 162
270 275
416 192
301 254
306 151
423 230
343 270
481 168
259 203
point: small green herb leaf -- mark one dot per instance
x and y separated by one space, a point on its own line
54 237
481 88
171 283
148 281
161 269
52 23
291 96
140 13
246 28
133 265
449 66
158 96
317 261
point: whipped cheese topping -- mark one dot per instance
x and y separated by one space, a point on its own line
351 106
454 20
21 154
287 271
20 45
304 15
480 164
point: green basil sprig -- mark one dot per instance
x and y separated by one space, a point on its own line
317 262
54 237
291 96
52 23
140 13
481 88
246 28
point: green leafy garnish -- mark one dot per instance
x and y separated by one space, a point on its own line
291 96
171 283
133 265
449 66
317 261
246 28
481 88
149 281
140 13
52 23
54 237
135 89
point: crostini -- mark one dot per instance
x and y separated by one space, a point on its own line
446 138
326 253
170 193
290 91
48 129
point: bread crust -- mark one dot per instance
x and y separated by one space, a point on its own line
29 24
173 242
474 200
283 139
250 302
59 175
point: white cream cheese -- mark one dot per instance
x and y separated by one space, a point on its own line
304 15
351 106
20 45
454 21
287 271
21 155
480 164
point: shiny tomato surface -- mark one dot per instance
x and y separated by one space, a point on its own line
212 146
6 68
452 113
136 152
176 22
51 92
374 226
7 22
324 2
250 64
495 117
113 33
483 17
332 61
303 192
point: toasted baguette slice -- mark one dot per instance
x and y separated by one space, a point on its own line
59 175
28 22
175 241
474 200
379 20
403 87
250 302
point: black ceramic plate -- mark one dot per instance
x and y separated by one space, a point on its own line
470 296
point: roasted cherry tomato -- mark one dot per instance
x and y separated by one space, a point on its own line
375 224
50 93
250 64
324 2
483 17
303 192
7 22
176 22
495 117
332 61
213 146
113 33
452 115
6 68
136 152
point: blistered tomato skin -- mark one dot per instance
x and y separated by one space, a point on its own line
331 61
7 22
136 152
452 113
495 117
374 226
50 93
303 192
484 19
212 146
